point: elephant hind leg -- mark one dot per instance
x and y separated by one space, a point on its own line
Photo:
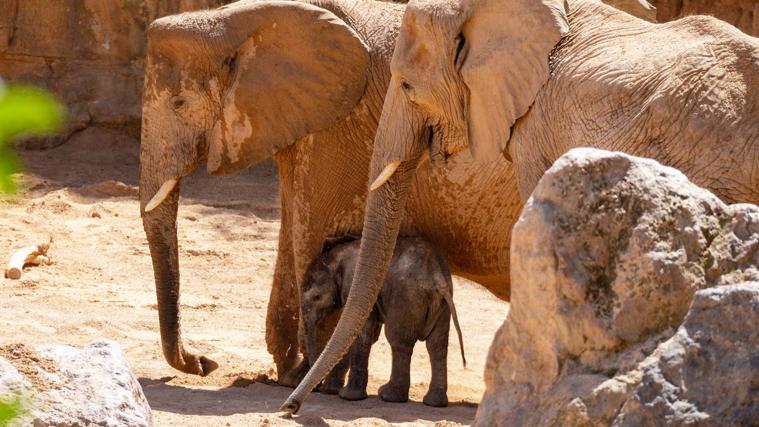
437 347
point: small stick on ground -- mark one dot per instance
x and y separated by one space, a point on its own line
30 255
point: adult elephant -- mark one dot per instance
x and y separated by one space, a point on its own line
303 83
530 79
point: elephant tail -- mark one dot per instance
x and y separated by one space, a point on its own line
448 296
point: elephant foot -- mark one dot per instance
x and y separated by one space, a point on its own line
393 393
330 387
294 376
350 393
436 398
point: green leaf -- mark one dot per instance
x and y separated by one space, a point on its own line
28 110
10 410
9 164
24 111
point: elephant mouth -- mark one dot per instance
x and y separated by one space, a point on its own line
445 144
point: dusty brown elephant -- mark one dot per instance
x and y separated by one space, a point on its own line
304 84
528 80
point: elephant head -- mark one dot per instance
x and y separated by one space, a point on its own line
320 299
462 74
233 86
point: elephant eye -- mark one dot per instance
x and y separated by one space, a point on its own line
230 62
408 90
177 102
460 54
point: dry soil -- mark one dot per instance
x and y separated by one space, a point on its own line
100 285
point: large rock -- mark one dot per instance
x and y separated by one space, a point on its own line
63 386
708 373
90 53
605 260
744 14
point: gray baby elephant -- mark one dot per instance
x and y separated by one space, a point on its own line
415 303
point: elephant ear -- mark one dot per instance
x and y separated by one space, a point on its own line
332 242
293 69
507 48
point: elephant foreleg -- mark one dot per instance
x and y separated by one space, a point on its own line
282 314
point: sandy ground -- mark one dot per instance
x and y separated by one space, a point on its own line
100 285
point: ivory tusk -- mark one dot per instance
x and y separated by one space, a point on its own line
161 194
385 175
646 5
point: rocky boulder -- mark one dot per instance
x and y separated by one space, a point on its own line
90 53
605 260
708 373
62 386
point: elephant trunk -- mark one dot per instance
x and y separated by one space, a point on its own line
384 213
313 347
160 223
401 140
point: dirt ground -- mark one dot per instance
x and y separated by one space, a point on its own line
100 285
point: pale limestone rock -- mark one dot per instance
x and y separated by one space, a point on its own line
605 259
64 386
708 373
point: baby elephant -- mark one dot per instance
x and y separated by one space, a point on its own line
415 303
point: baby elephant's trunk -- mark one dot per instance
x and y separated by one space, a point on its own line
449 300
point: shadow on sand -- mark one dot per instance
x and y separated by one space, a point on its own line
266 399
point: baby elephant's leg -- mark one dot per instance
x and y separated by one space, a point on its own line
402 345
437 347
335 380
359 360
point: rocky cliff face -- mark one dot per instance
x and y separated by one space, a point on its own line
643 10
635 296
744 14
90 53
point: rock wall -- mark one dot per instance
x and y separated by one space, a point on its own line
635 8
90 53
744 14
605 261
